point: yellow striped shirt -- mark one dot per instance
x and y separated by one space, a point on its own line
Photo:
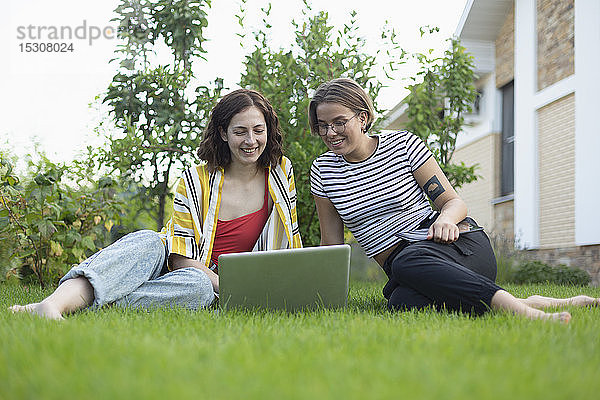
191 230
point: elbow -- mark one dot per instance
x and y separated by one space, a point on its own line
461 207
331 241
464 207
455 207
327 243
460 204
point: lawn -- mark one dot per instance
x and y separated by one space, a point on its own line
362 352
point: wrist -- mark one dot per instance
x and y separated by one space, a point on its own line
445 219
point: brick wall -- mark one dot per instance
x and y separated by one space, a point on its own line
504 219
555 41
505 50
584 257
556 157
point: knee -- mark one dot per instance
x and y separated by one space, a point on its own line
199 284
392 304
197 275
395 303
404 298
142 235
146 236
194 276
148 241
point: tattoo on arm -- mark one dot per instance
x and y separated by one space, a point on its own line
434 188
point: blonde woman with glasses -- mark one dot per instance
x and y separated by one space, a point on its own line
378 187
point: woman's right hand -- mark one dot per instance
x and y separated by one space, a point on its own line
443 231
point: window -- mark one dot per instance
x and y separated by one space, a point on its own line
507 174
477 102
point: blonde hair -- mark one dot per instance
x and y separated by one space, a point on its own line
344 91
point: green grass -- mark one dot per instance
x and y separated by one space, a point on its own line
363 352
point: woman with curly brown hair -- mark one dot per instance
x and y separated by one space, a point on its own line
242 197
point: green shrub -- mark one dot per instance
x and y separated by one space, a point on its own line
539 272
506 268
47 223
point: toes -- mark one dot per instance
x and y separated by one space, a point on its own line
41 309
564 317
589 301
583 301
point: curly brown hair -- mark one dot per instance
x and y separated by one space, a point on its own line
215 151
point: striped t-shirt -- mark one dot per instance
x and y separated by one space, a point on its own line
378 199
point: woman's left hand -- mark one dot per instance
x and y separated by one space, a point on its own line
443 231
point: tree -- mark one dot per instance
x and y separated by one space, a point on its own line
437 106
287 77
159 122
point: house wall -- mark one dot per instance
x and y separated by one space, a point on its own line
556 156
554 210
504 219
479 144
481 140
541 89
526 164
587 104
505 51
503 208
488 120
477 194
585 85
555 41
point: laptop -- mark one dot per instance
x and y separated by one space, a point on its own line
291 280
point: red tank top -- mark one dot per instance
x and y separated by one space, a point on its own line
240 234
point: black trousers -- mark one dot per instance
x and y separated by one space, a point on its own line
458 276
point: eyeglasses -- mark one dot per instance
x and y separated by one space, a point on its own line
337 126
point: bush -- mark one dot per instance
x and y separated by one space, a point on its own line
46 224
539 272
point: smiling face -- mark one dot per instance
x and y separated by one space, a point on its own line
246 136
352 143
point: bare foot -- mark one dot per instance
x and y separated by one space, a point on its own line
584 301
43 309
537 301
563 317
533 313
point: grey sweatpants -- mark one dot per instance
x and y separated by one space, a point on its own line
127 273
